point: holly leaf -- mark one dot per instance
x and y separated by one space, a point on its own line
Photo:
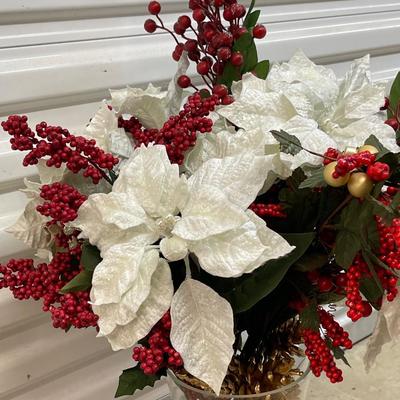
251 19
290 144
230 74
330 298
388 213
81 282
250 58
251 288
394 95
262 69
315 180
374 141
90 257
133 379
309 317
243 43
311 262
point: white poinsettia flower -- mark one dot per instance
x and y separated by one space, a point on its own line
347 111
150 203
151 106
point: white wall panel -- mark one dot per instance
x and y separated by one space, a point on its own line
57 60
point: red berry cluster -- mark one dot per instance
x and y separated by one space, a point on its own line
268 210
320 356
348 163
378 171
179 133
330 155
207 36
56 143
63 202
389 251
339 337
160 354
44 281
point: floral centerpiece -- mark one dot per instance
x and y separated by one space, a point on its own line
206 226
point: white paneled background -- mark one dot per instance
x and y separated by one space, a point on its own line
57 59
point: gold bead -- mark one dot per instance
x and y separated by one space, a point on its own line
360 184
330 180
367 147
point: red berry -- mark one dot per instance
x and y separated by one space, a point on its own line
191 45
184 81
224 53
218 3
179 29
378 171
227 100
203 67
392 122
154 7
259 31
150 26
228 14
220 90
184 21
367 309
198 15
324 284
237 59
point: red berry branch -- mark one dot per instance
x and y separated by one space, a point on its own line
179 133
268 210
159 353
208 36
58 147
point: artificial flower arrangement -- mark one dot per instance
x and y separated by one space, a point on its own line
181 220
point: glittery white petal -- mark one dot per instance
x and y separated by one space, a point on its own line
275 245
150 312
174 248
31 228
150 177
240 177
208 212
129 270
229 254
149 105
119 216
202 332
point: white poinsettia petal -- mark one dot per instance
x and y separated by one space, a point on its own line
116 273
229 254
149 105
175 93
150 312
248 82
364 128
202 332
150 177
240 177
208 212
275 245
174 248
255 109
310 137
31 228
300 80
114 218
137 278
102 126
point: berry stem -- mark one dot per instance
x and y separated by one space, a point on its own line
103 174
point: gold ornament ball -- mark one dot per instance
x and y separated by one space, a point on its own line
360 184
330 180
367 147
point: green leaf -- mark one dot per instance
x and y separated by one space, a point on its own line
394 95
348 244
251 19
81 282
374 141
250 58
262 69
251 288
309 317
290 144
330 298
133 379
251 7
338 352
315 180
243 43
372 292
311 262
388 213
230 74
90 257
